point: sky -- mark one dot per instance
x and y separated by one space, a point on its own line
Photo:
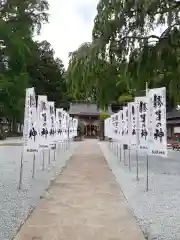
70 24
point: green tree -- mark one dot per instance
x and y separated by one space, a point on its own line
47 73
94 77
19 21
124 28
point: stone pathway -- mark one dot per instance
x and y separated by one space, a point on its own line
84 203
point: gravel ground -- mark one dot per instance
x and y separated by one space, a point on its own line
158 210
15 205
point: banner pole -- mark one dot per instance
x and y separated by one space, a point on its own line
49 156
117 149
147 173
34 163
54 153
124 154
129 158
58 149
43 160
120 153
137 166
21 170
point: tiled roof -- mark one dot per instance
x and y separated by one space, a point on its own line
91 109
174 114
86 109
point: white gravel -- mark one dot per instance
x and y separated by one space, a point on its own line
158 210
15 205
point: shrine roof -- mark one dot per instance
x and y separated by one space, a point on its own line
173 114
86 109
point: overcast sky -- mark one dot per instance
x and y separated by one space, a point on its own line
70 24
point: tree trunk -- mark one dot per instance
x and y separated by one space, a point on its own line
14 125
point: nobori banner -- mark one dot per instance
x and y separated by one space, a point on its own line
43 121
157 137
132 110
75 127
121 126
115 124
30 131
52 131
59 124
125 126
142 122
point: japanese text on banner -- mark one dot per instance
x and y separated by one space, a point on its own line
43 121
125 127
132 124
30 133
142 122
157 121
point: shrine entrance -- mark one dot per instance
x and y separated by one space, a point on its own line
91 130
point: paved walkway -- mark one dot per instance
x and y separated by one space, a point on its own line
84 203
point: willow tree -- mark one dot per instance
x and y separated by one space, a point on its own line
93 77
125 54
159 64
124 28
121 24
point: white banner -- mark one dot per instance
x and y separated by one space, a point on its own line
30 131
52 132
125 126
132 124
120 125
122 119
113 126
117 125
43 121
59 123
65 125
157 122
75 127
142 122
107 128
110 128
70 127
115 119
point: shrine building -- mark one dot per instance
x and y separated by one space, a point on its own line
89 116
